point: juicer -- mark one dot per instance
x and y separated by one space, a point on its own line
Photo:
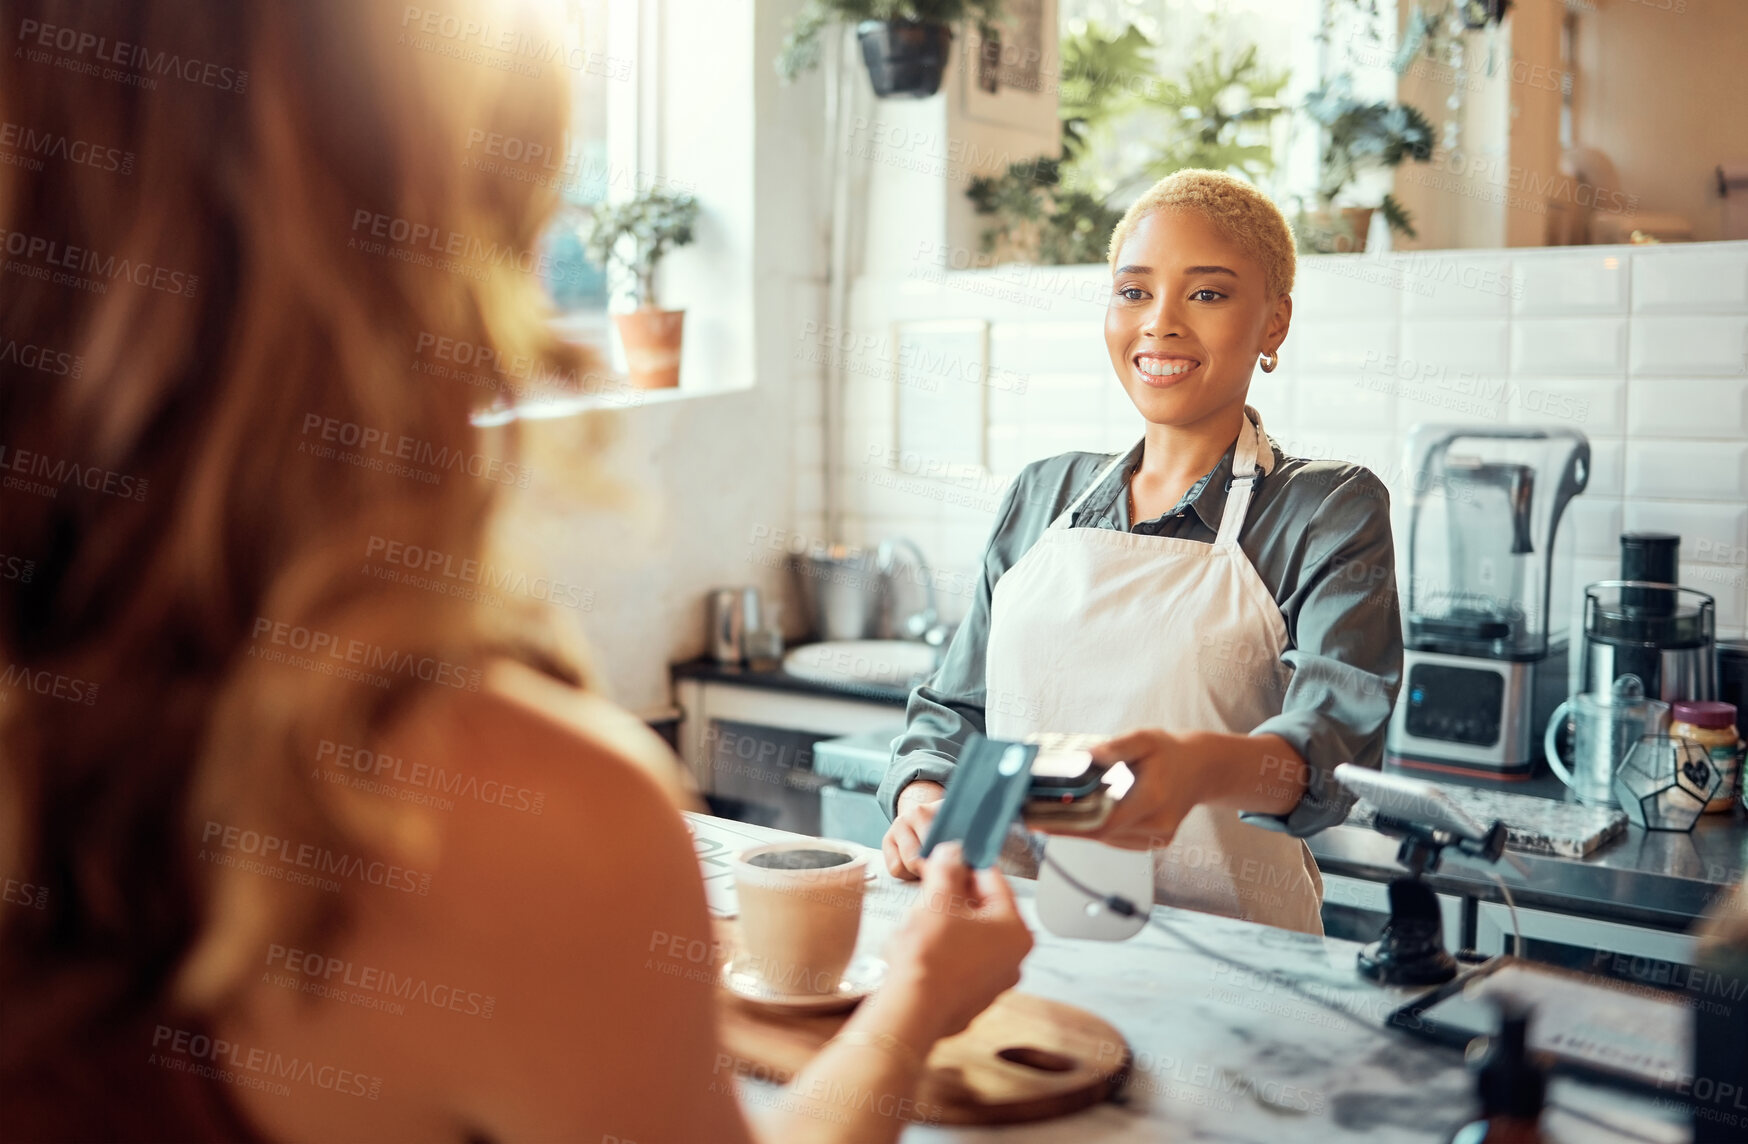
1485 639
1647 625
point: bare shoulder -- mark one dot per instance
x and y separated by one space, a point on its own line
525 983
577 801
525 719
559 890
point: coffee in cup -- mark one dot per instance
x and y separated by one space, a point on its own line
800 911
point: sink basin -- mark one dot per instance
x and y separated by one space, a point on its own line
881 663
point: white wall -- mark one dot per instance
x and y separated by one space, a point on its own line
1650 341
705 478
1643 349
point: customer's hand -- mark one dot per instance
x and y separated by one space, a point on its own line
917 804
961 946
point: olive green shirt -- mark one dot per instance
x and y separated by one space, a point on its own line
1318 535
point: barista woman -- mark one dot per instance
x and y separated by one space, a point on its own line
1226 611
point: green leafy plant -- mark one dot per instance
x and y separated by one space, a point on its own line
1056 210
1366 136
1039 219
1101 77
1219 115
1041 209
650 224
801 46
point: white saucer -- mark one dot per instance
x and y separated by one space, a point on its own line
861 977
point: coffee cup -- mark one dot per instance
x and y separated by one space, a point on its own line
800 911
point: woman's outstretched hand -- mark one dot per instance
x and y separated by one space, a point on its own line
1170 780
1174 774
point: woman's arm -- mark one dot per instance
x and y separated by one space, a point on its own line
1344 659
586 927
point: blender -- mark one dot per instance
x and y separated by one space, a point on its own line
1484 664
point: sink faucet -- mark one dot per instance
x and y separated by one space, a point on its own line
925 625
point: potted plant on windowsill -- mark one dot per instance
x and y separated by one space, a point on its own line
1362 137
904 42
636 234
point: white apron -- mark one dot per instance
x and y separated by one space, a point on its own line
1102 632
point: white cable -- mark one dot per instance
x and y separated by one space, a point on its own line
1510 904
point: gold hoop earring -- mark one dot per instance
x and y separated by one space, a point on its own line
1269 361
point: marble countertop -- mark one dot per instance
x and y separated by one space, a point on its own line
1241 1034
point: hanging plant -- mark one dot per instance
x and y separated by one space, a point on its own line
904 42
1432 31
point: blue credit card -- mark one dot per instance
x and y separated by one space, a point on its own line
984 796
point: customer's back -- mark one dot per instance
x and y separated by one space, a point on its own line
290 850
207 382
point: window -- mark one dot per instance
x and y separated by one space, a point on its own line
1299 42
603 125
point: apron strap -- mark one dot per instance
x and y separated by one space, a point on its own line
1067 515
1250 458
1245 469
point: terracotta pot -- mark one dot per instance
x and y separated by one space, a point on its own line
1343 230
652 346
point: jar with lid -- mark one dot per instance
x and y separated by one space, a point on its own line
1712 725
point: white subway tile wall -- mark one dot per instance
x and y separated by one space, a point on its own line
1668 346
1570 284
1551 347
1698 282
1645 350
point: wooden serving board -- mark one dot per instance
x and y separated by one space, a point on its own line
1024 1058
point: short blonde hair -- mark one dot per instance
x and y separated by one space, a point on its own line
1238 209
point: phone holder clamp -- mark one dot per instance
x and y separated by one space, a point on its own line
1411 950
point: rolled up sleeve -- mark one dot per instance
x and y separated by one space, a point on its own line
937 725
1345 653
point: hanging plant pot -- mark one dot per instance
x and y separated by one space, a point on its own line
904 58
1480 13
652 346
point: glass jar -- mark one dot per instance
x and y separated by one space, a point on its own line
1712 725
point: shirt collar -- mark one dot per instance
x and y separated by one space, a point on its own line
1207 496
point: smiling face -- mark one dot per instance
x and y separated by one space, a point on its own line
1188 315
